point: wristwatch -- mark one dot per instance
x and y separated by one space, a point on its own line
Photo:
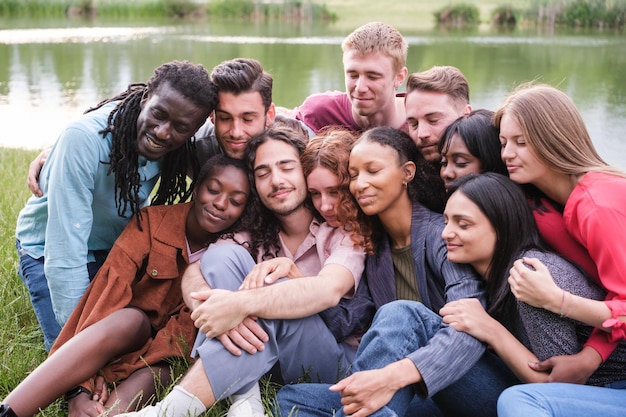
74 392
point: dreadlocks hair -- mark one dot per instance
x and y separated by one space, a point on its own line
191 81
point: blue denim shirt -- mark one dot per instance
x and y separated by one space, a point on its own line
76 214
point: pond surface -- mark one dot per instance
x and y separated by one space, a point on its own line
50 72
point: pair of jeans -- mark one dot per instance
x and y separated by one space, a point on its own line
303 347
32 275
31 272
399 328
557 399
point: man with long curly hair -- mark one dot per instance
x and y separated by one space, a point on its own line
102 170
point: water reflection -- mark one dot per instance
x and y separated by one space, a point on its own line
49 76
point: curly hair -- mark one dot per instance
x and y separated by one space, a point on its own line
193 83
268 240
249 220
330 149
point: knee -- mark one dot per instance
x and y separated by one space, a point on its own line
126 326
404 311
226 265
517 398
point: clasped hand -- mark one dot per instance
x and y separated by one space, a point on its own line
467 315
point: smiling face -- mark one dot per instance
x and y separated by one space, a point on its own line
371 82
323 187
523 165
428 113
219 201
470 238
278 177
457 161
238 118
376 177
166 121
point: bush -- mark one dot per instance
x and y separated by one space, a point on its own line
458 15
506 16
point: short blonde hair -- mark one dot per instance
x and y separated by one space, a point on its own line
378 37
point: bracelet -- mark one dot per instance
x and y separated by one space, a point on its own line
562 302
569 305
74 392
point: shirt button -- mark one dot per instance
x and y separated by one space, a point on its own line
154 272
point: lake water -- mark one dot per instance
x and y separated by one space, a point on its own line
51 74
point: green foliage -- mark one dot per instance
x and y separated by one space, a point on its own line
292 9
256 9
505 15
579 13
458 15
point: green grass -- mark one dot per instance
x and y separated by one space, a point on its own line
21 342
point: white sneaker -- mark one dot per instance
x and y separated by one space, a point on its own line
248 404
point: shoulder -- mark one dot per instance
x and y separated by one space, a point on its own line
566 275
326 98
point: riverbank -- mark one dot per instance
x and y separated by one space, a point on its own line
406 15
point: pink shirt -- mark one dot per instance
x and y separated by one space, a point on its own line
323 246
595 216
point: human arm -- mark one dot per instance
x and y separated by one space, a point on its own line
365 392
246 336
267 272
553 334
34 169
70 172
449 354
351 315
469 316
287 299
537 288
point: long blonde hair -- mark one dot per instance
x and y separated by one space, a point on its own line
554 128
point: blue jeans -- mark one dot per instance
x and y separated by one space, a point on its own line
302 346
400 328
563 400
32 274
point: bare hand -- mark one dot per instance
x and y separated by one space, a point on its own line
101 391
365 392
575 369
267 272
467 315
220 312
83 406
34 169
537 287
247 336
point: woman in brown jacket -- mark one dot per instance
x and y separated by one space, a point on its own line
132 318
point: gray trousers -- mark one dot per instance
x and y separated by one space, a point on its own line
303 347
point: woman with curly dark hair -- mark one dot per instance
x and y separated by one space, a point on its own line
132 319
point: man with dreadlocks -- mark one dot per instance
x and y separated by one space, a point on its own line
100 172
